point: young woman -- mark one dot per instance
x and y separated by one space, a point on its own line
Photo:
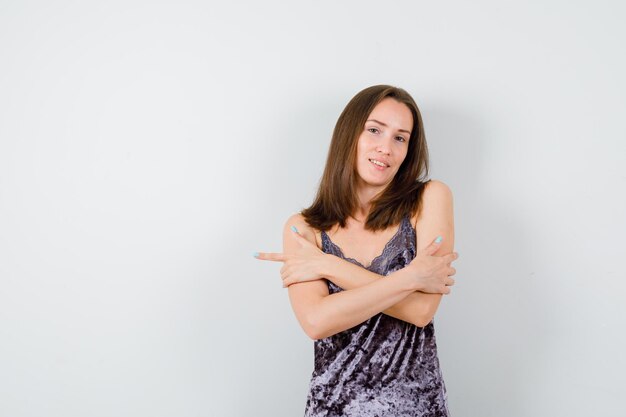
375 350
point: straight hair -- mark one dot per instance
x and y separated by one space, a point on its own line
336 198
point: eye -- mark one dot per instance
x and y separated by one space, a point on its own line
372 128
401 138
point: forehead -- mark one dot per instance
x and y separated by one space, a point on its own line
393 113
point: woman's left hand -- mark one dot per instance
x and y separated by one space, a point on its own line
306 264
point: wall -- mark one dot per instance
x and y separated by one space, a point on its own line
147 149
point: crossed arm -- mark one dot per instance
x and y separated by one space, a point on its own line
322 314
417 308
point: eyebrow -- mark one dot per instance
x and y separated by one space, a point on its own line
382 124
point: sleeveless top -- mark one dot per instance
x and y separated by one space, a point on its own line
383 366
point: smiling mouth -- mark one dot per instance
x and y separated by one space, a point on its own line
378 164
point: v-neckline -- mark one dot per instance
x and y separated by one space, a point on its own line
376 257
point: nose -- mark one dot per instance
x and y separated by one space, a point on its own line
384 145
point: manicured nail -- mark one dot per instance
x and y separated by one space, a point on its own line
256 254
439 239
293 228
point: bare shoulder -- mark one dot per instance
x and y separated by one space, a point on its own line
436 189
436 198
297 220
436 217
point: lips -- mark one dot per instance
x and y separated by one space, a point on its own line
379 166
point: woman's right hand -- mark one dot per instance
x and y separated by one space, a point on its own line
304 264
431 274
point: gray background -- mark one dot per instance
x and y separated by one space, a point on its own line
147 149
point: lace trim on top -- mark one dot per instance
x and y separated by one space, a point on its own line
389 246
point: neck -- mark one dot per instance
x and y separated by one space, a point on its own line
365 195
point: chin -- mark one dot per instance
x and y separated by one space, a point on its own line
378 183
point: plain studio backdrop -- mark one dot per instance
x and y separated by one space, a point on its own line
147 149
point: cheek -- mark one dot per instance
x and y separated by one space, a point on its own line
403 152
361 150
401 159
365 144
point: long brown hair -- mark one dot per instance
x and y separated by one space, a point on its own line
336 197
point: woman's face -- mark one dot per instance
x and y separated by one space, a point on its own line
383 144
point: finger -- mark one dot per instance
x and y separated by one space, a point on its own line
449 258
302 240
433 247
296 234
285 273
290 280
451 271
445 290
450 282
271 256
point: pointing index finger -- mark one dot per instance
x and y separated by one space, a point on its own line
272 256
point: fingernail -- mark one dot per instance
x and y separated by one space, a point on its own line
293 228
256 254
439 239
